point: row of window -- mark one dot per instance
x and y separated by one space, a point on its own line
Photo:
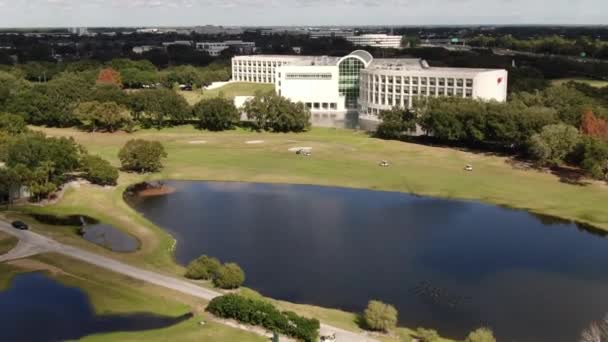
259 63
418 90
255 70
322 105
307 76
255 79
389 100
416 80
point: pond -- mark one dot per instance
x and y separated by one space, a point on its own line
38 308
93 231
445 264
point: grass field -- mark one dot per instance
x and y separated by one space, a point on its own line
228 91
340 158
111 293
7 242
593 83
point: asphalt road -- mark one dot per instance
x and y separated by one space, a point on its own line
31 243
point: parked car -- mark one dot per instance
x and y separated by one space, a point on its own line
20 225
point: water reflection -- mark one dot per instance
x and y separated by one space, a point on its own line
36 308
450 265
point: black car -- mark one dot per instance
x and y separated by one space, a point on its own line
20 225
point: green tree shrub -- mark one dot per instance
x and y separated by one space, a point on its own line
554 143
203 267
99 171
481 335
142 156
216 114
395 123
380 316
427 335
229 276
263 313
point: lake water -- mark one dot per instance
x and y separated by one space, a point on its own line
36 308
445 264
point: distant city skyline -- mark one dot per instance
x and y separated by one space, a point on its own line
66 13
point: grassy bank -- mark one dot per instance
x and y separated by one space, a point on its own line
340 158
7 242
111 293
228 91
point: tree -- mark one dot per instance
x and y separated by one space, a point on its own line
554 143
142 156
274 113
109 76
380 316
395 122
481 335
203 267
108 93
216 114
107 116
594 126
12 124
99 171
159 107
229 276
595 158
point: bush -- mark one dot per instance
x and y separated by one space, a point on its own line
99 171
427 335
481 335
262 313
203 267
380 316
229 276
216 114
554 143
142 156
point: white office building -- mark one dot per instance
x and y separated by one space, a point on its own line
352 90
376 40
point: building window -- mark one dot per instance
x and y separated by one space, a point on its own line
348 82
423 80
459 82
333 106
450 82
406 80
307 76
325 105
432 81
459 92
469 83
415 80
450 92
469 93
442 82
316 105
308 105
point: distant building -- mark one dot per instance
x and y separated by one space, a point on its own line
178 42
319 33
333 88
297 50
144 48
376 40
216 48
80 31
217 30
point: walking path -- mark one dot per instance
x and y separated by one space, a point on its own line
31 243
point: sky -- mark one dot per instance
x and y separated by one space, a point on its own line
68 13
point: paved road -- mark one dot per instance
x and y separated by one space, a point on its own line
31 243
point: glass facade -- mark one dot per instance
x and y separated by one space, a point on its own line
350 69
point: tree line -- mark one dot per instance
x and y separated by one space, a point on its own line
95 100
558 125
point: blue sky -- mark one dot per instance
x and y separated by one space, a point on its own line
44 13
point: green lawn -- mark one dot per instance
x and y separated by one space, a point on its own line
593 83
7 242
340 158
230 90
111 293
